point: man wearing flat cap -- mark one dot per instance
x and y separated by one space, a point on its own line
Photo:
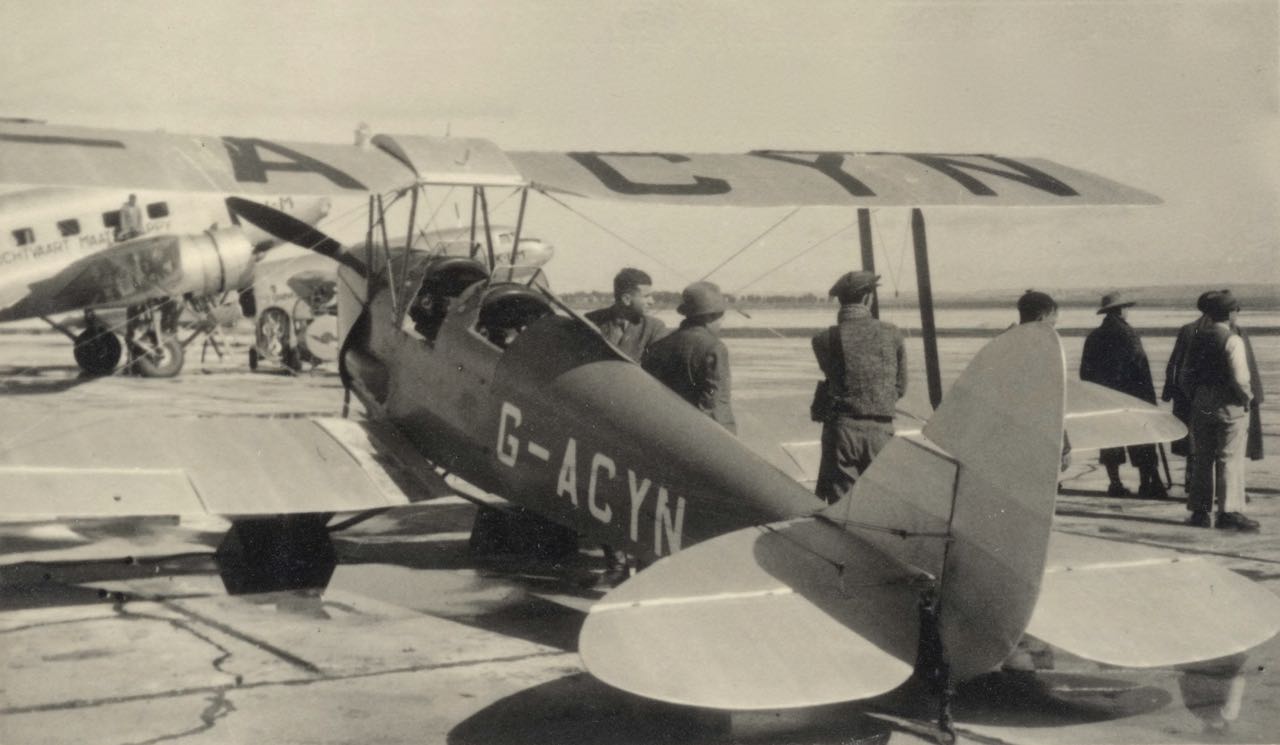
864 362
692 361
1113 357
1218 375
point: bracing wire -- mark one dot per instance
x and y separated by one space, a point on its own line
750 243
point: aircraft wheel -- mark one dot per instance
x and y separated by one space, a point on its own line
164 361
253 358
98 351
272 554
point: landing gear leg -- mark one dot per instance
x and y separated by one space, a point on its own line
931 662
272 554
154 350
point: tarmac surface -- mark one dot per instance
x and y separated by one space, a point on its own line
414 642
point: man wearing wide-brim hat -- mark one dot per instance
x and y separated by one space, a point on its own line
864 363
1218 374
1113 356
692 361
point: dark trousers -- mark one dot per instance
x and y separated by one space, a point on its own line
1141 456
848 445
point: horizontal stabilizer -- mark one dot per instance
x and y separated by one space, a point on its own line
1098 417
793 614
1142 607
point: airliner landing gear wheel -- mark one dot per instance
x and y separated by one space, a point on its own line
164 360
98 351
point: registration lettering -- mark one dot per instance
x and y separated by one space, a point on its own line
604 490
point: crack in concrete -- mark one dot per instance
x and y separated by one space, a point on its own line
219 707
215 689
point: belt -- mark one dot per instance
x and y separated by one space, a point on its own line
868 418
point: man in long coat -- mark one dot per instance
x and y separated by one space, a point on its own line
1113 356
692 361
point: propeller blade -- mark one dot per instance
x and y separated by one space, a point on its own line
292 230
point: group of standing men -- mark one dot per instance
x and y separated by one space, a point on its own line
1212 380
863 359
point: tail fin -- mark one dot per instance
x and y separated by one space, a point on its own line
803 612
971 501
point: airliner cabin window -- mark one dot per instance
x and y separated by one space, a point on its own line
156 210
68 227
111 219
23 236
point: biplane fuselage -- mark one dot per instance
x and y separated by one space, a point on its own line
562 423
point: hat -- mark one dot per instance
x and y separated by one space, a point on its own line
700 299
852 284
1114 301
1202 302
1034 305
1220 304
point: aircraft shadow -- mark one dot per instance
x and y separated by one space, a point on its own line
1040 699
580 709
35 381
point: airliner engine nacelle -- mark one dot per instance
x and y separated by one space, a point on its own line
151 267
215 261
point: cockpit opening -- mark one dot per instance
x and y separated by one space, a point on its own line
507 309
443 281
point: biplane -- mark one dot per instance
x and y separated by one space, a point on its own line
63 250
476 380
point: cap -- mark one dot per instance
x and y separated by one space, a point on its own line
1202 302
1034 305
1219 304
1114 301
700 299
851 284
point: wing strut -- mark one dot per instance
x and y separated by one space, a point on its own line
868 253
924 284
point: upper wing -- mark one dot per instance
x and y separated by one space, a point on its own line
787 177
69 467
36 154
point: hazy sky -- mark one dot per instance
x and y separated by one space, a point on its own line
1181 99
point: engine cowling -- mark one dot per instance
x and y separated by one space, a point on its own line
156 266
215 261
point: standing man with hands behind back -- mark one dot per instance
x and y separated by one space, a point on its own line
865 365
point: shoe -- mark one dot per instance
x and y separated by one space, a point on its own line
1199 519
1153 490
1236 521
1117 489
